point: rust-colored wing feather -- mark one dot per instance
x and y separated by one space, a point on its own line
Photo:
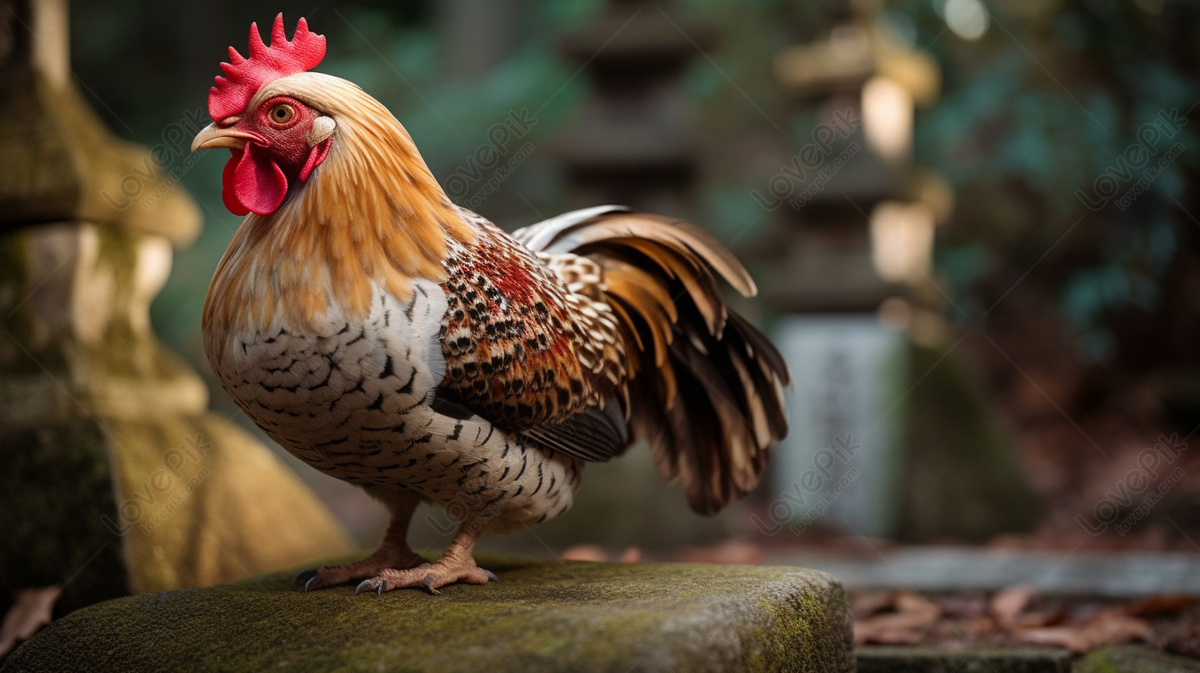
525 346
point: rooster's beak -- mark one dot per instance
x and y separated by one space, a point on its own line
212 137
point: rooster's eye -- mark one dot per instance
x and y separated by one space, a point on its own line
282 113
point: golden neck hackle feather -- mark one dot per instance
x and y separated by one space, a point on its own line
370 214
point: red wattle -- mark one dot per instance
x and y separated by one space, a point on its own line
228 194
254 184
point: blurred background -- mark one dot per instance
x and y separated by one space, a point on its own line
971 224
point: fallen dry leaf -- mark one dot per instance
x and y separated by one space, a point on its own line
867 632
1010 601
1158 606
631 555
916 604
584 552
32 609
1073 638
1038 618
899 620
964 629
1083 612
977 626
902 627
964 605
1184 639
866 604
1115 627
1111 627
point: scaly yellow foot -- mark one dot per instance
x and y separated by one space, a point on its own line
455 565
393 552
328 576
427 576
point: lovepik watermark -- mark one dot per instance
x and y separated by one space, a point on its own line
792 183
1136 158
814 491
1139 490
161 493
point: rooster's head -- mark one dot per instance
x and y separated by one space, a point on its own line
276 138
332 174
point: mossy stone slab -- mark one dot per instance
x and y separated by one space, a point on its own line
888 659
541 616
1134 659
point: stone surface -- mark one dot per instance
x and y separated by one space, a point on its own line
929 660
932 569
993 660
1134 659
117 479
541 616
962 479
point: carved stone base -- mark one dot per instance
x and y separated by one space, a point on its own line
115 477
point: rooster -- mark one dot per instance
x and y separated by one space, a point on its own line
408 346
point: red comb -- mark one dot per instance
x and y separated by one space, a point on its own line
244 76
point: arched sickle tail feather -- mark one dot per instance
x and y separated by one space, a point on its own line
705 386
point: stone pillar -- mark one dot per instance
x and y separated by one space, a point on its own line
635 141
114 478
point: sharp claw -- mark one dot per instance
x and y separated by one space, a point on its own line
305 577
490 575
310 582
379 591
427 585
363 586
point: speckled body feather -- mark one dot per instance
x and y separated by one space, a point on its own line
354 401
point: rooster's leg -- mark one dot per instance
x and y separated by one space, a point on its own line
455 565
393 551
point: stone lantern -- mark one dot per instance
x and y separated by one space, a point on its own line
114 477
854 274
857 203
635 141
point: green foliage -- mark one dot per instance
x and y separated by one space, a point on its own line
1040 108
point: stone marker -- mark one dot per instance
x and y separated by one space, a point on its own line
844 449
541 616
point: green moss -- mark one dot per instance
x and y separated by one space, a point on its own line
1134 659
39 181
12 258
118 254
120 351
805 618
17 311
540 617
54 528
881 659
958 452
